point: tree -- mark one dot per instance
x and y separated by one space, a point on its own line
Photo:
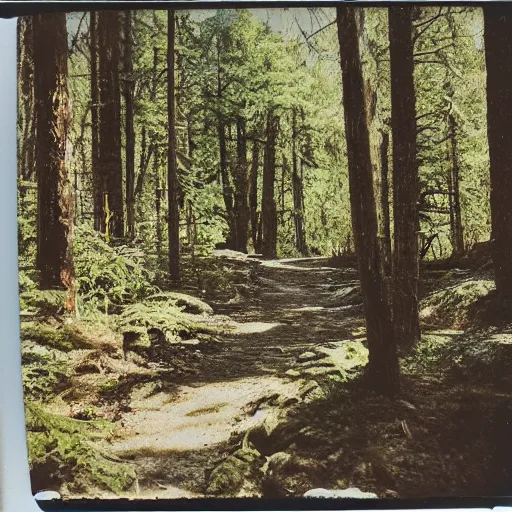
129 126
55 199
268 203
298 193
457 229
26 96
95 103
253 195
383 370
405 178
110 166
172 168
498 57
241 182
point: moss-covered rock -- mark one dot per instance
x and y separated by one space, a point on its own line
236 471
187 303
63 338
452 307
63 450
154 324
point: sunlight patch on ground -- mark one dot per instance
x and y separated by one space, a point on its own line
255 327
307 308
200 418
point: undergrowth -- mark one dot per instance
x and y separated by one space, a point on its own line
63 450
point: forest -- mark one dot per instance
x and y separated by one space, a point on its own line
263 252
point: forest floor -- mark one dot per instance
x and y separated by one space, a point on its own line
276 405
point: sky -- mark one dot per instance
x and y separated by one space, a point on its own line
285 21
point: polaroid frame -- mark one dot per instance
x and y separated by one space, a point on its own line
15 491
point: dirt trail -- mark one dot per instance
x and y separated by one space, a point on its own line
174 440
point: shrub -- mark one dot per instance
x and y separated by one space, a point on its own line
109 275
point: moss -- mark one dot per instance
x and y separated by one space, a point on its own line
64 338
65 450
436 351
187 303
451 307
169 319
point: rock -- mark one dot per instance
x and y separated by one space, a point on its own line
308 356
292 373
315 371
277 461
87 367
260 434
310 388
192 342
234 472
351 493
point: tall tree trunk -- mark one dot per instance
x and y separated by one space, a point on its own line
298 194
129 128
97 179
498 57
159 188
253 195
457 230
55 198
384 204
110 159
383 370
26 98
405 178
268 203
172 167
241 207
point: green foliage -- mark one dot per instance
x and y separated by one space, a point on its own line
64 338
40 302
65 448
109 275
168 318
44 372
188 303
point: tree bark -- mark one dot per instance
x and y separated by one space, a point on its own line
268 203
97 181
241 207
405 178
384 203
298 194
383 370
172 168
159 187
457 230
26 100
253 195
498 57
110 166
55 198
129 127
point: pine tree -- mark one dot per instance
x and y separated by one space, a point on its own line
383 370
55 199
405 178
172 170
